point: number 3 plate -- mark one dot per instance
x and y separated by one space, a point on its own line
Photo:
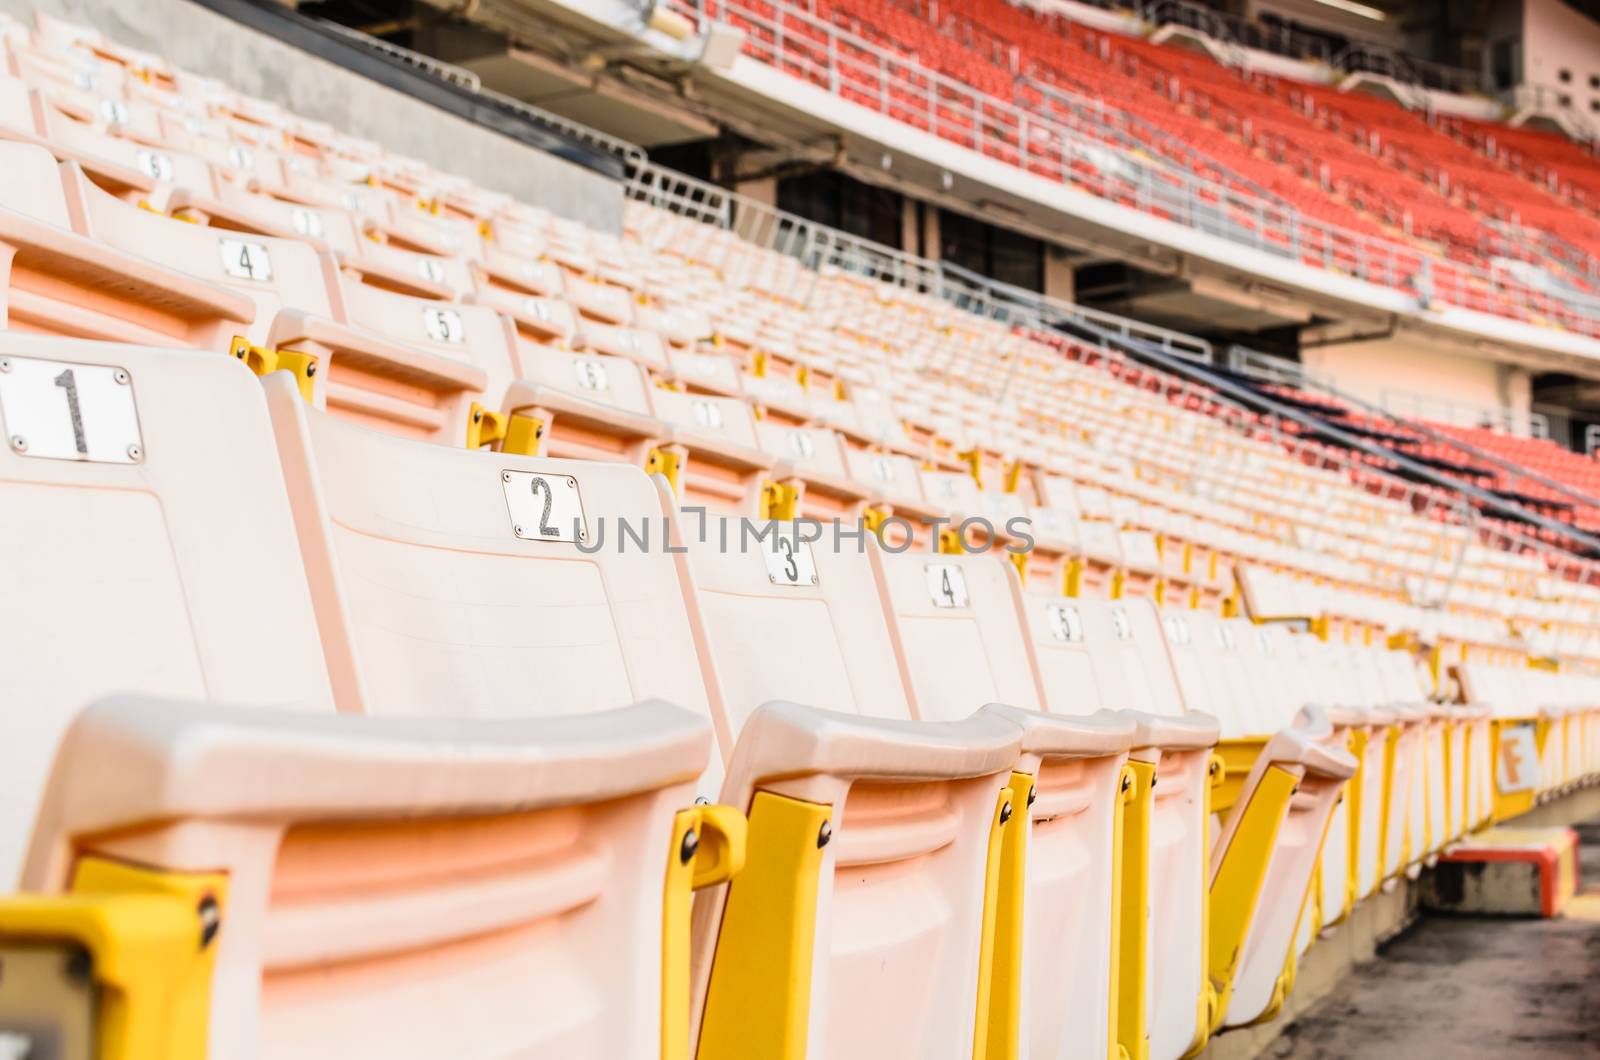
789 560
544 507
67 411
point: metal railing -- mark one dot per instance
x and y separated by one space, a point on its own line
1259 366
1132 133
1362 57
1273 37
427 64
1524 423
900 87
468 81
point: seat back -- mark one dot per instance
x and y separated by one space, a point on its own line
958 630
397 390
1135 671
1065 648
273 272
161 558
779 618
451 582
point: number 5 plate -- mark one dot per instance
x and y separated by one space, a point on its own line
67 411
544 507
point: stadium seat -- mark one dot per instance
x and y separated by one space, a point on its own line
905 869
1290 777
1166 1010
323 886
67 283
959 632
134 481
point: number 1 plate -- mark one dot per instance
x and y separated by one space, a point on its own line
544 507
66 411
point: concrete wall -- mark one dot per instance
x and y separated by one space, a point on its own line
1401 365
1557 38
215 46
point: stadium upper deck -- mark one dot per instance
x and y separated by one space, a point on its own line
434 797
1351 184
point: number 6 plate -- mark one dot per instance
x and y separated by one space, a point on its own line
544 507
67 411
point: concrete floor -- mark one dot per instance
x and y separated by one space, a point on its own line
1469 987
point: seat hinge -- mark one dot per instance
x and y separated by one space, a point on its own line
780 500
667 462
264 359
515 433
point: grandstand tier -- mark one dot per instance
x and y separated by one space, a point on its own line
435 626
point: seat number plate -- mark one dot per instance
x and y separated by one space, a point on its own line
947 584
1518 767
1065 623
67 411
443 325
245 261
789 560
544 507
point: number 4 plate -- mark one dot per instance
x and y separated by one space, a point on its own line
947 585
67 411
544 507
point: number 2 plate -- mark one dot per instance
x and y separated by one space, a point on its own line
67 411
544 507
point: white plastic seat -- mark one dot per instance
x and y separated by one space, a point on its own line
1117 646
66 283
776 638
721 464
402 884
584 406
430 363
959 632
161 561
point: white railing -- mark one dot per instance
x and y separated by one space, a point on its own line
900 87
1521 422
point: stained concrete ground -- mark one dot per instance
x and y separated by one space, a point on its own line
1456 986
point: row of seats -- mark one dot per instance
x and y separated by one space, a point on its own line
961 74
259 550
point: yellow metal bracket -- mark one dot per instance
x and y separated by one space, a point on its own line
667 463
142 939
708 848
973 458
758 1002
1236 886
263 359
1000 1020
1133 943
514 432
780 500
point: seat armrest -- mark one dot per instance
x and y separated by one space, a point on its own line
788 740
1182 732
1104 732
1305 743
129 760
292 327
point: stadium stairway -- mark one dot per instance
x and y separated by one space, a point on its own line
389 667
